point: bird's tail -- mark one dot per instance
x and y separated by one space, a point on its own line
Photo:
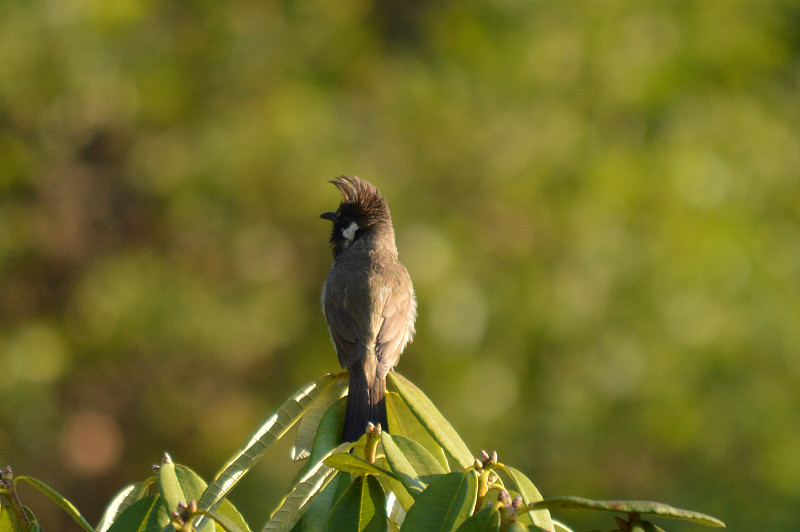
365 403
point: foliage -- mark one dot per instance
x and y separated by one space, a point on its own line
408 486
596 201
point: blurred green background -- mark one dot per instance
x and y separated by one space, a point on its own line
598 203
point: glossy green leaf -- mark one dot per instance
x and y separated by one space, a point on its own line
400 499
485 520
31 519
307 429
403 499
8 521
57 498
276 425
191 483
432 420
329 431
418 456
403 422
357 466
329 435
294 505
222 523
401 466
122 500
193 486
640 507
178 483
446 503
529 494
558 526
229 511
316 516
362 508
168 485
410 462
145 514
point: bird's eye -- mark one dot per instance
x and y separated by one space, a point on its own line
350 231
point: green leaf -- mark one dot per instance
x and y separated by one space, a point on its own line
145 514
307 429
35 526
401 467
432 420
404 423
191 483
8 521
329 431
640 507
409 461
444 505
403 499
418 456
558 526
122 500
357 466
221 521
57 498
485 520
402 503
362 508
329 435
529 494
168 485
192 486
178 484
316 517
294 505
276 425
228 510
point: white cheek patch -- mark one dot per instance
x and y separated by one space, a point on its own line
350 232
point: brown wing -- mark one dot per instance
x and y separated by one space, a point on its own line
397 329
343 327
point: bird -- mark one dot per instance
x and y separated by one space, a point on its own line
368 301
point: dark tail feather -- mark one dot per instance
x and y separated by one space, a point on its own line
364 404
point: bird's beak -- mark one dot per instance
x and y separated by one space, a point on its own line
328 216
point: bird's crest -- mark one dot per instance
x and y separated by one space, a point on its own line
362 200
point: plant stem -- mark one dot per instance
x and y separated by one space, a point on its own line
483 488
9 491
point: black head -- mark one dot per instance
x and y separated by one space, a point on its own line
363 213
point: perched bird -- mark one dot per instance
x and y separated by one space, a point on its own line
368 301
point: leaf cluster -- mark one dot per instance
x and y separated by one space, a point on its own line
421 477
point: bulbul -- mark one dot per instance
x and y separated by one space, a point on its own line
368 301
